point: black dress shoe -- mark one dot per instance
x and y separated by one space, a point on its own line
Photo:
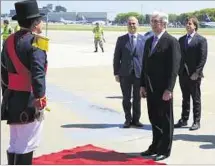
195 126
147 153
181 123
137 124
160 157
127 124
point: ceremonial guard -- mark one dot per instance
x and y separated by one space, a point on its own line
23 73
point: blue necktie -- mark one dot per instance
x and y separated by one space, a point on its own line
154 43
132 41
186 41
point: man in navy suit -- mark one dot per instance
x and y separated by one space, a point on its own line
127 65
194 56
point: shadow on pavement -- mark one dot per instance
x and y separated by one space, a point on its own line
209 139
103 125
114 97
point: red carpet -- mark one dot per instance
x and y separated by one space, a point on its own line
91 155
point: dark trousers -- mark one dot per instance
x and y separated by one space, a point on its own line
128 84
190 88
161 117
98 41
20 159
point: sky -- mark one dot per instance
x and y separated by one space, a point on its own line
115 7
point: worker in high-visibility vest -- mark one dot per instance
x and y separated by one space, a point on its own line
17 28
7 31
98 37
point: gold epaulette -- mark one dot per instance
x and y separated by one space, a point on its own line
41 42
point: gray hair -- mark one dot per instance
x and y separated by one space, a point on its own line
163 16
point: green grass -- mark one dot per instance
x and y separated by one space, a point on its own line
203 31
72 27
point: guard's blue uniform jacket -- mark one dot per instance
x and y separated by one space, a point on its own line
19 104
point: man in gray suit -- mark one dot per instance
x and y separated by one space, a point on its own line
127 65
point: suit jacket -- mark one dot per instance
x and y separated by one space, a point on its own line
125 60
35 60
161 66
194 56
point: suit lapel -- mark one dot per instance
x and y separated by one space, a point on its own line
150 46
128 43
139 42
182 44
183 40
158 43
192 42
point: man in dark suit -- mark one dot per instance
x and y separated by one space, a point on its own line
127 65
194 55
160 68
23 73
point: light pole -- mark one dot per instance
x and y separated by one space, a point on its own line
142 13
47 19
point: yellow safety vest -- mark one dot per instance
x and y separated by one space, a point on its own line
98 32
17 28
6 32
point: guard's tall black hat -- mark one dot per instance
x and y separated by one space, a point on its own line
27 9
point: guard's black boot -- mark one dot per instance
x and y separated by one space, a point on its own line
10 158
102 49
24 159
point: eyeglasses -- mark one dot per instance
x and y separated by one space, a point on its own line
155 21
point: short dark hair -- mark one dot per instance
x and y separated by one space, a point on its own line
194 21
30 23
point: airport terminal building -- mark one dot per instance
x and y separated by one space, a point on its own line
58 16
71 16
92 16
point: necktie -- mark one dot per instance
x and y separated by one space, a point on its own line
187 41
155 40
133 41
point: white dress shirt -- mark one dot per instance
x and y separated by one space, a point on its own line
135 38
191 36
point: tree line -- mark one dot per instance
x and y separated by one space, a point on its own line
121 18
58 8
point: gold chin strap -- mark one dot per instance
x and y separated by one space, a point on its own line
41 42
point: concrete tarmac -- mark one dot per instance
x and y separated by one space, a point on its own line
85 104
